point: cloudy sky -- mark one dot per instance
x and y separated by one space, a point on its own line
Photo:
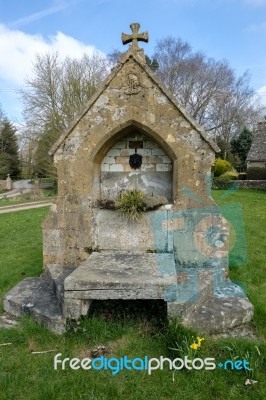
224 29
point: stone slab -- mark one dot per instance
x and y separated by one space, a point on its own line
220 314
227 308
137 273
153 293
34 296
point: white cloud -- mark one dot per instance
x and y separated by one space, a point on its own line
18 50
57 6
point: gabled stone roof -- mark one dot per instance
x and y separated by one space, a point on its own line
139 60
257 151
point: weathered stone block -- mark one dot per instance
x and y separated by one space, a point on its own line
126 153
122 160
105 167
116 168
109 160
145 152
114 232
155 160
113 152
148 167
157 152
163 167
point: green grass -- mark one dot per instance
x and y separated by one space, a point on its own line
252 275
20 246
32 377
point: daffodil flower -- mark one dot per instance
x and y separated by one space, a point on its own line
194 345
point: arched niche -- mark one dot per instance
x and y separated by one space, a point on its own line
153 177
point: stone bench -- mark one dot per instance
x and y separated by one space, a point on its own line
118 275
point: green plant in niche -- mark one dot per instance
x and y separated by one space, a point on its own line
131 204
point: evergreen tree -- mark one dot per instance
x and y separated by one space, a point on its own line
241 145
153 64
43 165
9 160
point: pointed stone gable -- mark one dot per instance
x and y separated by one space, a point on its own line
133 92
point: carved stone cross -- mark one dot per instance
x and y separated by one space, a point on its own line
135 37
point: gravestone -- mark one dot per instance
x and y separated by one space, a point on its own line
134 135
9 183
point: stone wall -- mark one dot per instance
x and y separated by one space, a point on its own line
251 184
154 177
257 164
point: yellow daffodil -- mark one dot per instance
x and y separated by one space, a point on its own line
199 339
194 345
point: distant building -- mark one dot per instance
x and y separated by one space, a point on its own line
257 153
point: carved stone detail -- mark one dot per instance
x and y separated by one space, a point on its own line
133 85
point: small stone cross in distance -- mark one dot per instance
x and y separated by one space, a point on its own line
135 37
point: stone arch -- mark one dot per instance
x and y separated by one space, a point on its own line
116 133
113 173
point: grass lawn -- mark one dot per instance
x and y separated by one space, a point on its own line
130 331
252 275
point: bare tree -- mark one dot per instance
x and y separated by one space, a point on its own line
56 93
28 142
208 89
80 80
59 88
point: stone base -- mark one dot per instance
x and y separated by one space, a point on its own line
34 296
214 316
66 293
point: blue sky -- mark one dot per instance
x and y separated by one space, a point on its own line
224 29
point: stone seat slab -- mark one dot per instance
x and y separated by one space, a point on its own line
148 274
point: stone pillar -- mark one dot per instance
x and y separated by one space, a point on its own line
9 183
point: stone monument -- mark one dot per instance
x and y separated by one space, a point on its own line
9 183
134 135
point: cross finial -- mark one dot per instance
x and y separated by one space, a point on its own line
135 37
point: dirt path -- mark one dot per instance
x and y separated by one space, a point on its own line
26 206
